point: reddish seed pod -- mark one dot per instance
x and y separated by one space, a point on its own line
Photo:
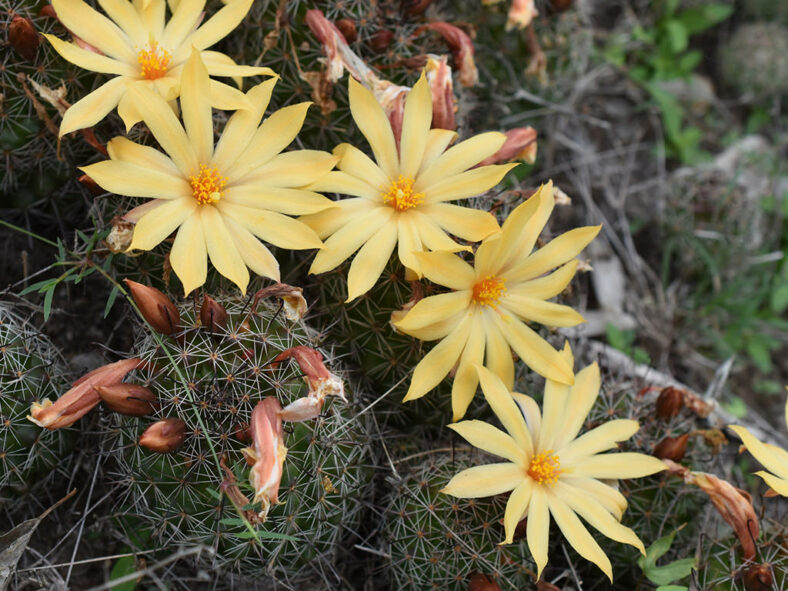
381 40
164 436
415 7
155 307
669 402
128 399
348 29
758 577
22 36
672 448
213 315
480 582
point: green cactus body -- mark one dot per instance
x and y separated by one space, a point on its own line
437 541
31 369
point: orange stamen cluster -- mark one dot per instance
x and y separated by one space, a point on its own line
545 468
400 194
207 185
487 291
153 61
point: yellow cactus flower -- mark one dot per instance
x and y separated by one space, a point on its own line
140 49
400 198
550 470
220 198
773 458
491 302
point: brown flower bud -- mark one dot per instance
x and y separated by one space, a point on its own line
381 40
545 586
48 11
22 36
348 29
164 436
669 402
672 448
213 315
128 399
81 398
480 582
155 307
758 577
415 7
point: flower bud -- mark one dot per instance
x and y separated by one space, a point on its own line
545 586
81 398
480 582
415 7
155 307
669 402
268 453
213 315
128 399
164 436
672 448
22 36
758 577
348 29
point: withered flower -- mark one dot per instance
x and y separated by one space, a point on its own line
164 436
462 50
213 315
267 454
438 75
128 399
520 144
321 383
155 307
81 398
521 13
293 301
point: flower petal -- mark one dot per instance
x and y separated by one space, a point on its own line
446 269
548 286
433 236
215 28
433 309
183 21
437 142
554 401
464 222
357 164
778 485
409 243
125 178
577 535
374 125
152 14
537 528
370 261
460 158
254 253
156 225
596 516
196 108
348 239
341 182
287 201
603 494
466 184
272 227
124 15
466 380
582 396
241 127
219 64
485 436
88 60
484 481
436 364
532 414
597 440
227 98
330 220
275 133
291 169
416 121
557 252
761 452
134 215
166 128
503 405
95 28
618 465
547 313
93 107
221 248
516 507
437 330
123 149
499 355
188 257
523 226
534 351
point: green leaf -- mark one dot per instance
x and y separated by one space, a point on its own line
672 588
761 356
704 17
779 298
48 302
233 521
265 535
122 567
37 286
111 300
664 575
677 34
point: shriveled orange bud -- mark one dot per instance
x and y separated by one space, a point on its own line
438 75
758 577
462 50
480 582
164 436
213 315
669 402
128 399
672 448
22 36
155 307
348 29
321 383
268 453
520 144
81 398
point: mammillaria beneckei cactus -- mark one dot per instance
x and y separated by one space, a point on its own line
214 393
31 369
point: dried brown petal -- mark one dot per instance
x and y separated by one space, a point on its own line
164 436
292 298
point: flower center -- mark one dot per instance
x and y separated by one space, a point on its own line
545 468
207 185
400 194
487 291
153 61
